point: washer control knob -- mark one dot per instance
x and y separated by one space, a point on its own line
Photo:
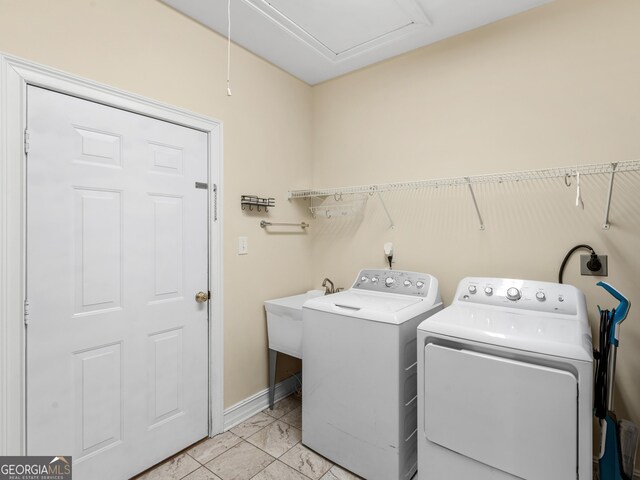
419 284
560 298
541 296
407 283
364 279
472 289
488 291
513 294
389 281
374 280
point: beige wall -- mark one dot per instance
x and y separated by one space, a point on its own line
556 86
552 87
144 47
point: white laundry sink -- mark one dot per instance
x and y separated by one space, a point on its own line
284 322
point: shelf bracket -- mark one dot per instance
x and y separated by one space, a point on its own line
391 225
606 225
475 202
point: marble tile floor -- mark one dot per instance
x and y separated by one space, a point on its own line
267 446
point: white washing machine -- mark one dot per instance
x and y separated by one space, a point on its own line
359 397
505 384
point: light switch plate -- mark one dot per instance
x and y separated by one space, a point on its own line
243 245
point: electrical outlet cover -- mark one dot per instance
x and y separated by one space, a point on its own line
603 272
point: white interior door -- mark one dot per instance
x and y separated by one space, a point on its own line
116 251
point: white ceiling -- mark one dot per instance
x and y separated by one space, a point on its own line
316 40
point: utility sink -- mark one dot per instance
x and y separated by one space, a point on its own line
284 322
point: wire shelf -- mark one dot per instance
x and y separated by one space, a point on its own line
522 176
338 208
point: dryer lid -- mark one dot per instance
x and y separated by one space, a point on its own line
564 336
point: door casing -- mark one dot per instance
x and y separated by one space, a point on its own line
15 75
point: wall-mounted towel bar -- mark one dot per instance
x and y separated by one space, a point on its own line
265 224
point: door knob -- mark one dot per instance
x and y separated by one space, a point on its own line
202 297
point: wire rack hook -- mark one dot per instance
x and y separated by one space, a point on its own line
567 179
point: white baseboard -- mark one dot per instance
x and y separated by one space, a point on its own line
248 407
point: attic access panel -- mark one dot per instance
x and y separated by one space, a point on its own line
316 40
339 27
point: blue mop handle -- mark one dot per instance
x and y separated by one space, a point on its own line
620 312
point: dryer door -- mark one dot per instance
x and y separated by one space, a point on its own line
518 417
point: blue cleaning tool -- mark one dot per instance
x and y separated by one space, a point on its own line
620 312
610 463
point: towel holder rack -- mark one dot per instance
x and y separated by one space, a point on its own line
265 224
252 200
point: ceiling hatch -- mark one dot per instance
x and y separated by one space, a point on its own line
316 40
339 28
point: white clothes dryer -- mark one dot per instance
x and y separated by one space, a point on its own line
505 384
359 391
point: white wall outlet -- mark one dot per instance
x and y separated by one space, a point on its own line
243 245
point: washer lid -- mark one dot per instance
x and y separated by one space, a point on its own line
559 335
379 307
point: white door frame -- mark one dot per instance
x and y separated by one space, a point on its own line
15 75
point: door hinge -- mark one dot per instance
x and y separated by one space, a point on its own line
26 141
26 311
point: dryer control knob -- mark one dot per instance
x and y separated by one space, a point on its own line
419 284
472 289
364 279
389 281
407 283
374 280
488 291
513 294
541 296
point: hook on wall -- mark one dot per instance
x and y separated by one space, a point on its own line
251 201
567 179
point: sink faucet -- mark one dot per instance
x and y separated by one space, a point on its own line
328 289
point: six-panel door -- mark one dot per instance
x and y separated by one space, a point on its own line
116 251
